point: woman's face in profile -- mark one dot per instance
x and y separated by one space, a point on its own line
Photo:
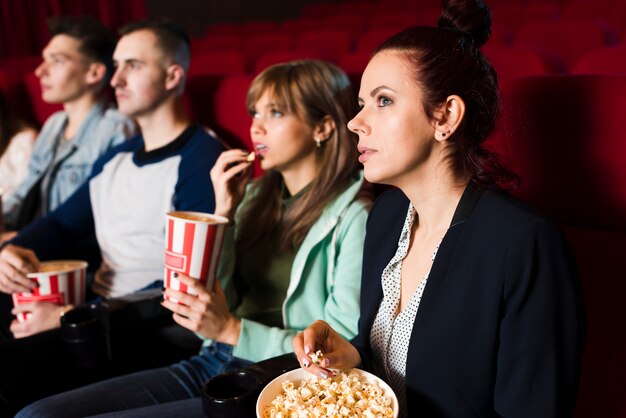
396 138
282 140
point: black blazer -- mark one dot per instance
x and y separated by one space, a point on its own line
500 328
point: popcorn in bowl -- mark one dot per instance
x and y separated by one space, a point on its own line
354 393
317 357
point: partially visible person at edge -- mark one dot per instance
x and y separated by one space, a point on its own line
470 302
119 214
17 139
292 254
77 66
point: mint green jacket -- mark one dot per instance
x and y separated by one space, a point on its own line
325 279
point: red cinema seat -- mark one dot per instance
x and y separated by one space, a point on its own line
198 98
428 17
566 141
231 120
355 63
328 44
397 20
217 63
21 65
608 60
294 27
514 14
255 47
611 11
569 39
354 23
41 110
278 57
216 42
372 39
13 89
258 27
566 136
515 62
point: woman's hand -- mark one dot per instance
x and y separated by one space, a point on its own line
43 317
229 176
206 314
338 353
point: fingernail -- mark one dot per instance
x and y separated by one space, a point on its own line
306 362
324 375
307 349
326 362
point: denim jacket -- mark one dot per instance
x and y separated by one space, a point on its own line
102 129
325 278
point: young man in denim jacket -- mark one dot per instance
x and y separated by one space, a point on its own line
77 66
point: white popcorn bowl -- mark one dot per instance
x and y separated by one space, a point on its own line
273 388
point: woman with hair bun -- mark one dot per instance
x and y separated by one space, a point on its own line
470 302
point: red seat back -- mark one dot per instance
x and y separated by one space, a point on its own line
231 120
329 44
565 140
283 56
515 62
568 144
569 39
608 60
255 47
372 39
216 63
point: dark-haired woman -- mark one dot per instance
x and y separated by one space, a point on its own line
293 253
470 304
17 139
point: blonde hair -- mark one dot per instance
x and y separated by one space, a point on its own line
312 90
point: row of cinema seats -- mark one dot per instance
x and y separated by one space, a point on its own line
558 45
557 35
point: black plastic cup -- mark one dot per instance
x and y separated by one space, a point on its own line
231 395
86 331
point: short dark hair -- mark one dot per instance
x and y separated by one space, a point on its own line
171 38
97 42
447 60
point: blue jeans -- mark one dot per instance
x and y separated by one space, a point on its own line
169 391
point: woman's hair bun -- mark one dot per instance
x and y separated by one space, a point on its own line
471 17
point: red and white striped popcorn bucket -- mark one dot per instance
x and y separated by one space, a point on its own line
62 282
192 246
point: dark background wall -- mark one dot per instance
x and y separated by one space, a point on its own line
196 15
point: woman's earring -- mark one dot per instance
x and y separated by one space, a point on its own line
318 142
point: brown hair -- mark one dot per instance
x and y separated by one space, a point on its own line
171 38
312 90
448 61
97 42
